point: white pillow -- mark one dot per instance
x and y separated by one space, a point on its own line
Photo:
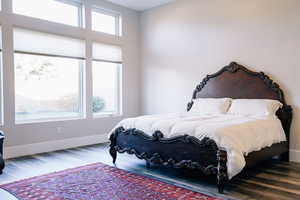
261 107
211 105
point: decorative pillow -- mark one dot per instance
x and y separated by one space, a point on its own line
211 105
254 107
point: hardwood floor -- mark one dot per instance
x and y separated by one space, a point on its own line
271 180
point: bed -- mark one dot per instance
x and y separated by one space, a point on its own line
186 151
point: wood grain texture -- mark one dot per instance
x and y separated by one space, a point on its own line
268 181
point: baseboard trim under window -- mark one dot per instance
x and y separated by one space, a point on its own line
36 148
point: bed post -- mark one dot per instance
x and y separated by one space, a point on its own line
222 175
148 164
285 157
112 149
285 114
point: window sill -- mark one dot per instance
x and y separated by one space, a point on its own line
106 115
34 121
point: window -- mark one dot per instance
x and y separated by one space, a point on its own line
50 66
1 80
107 63
106 21
48 76
105 81
61 11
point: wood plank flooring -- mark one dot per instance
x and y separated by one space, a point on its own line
271 180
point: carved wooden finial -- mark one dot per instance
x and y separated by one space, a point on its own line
233 67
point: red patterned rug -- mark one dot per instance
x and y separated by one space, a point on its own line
98 182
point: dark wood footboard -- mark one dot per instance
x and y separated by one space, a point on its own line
177 152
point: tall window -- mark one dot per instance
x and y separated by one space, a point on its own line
1 79
107 63
61 11
106 21
48 76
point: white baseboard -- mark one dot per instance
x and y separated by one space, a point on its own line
294 155
31 149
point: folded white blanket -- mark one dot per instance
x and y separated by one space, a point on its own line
238 135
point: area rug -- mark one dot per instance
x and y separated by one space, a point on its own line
98 182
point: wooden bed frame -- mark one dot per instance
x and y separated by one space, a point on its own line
234 81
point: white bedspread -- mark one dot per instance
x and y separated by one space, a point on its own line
238 135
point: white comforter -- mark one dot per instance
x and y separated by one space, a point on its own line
238 135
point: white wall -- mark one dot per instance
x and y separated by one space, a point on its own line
185 40
19 138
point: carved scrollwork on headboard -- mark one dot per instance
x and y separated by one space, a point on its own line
238 82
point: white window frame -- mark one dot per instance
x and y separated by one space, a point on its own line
118 92
81 97
116 15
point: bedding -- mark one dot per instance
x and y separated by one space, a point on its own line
254 107
237 134
211 105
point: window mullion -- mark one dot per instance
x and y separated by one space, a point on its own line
82 109
8 74
89 80
117 19
7 6
80 17
88 16
88 66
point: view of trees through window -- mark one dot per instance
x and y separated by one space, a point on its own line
47 87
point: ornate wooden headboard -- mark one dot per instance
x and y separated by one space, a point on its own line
238 82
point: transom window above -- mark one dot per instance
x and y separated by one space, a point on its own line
107 22
61 11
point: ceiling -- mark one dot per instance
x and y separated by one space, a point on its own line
140 5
